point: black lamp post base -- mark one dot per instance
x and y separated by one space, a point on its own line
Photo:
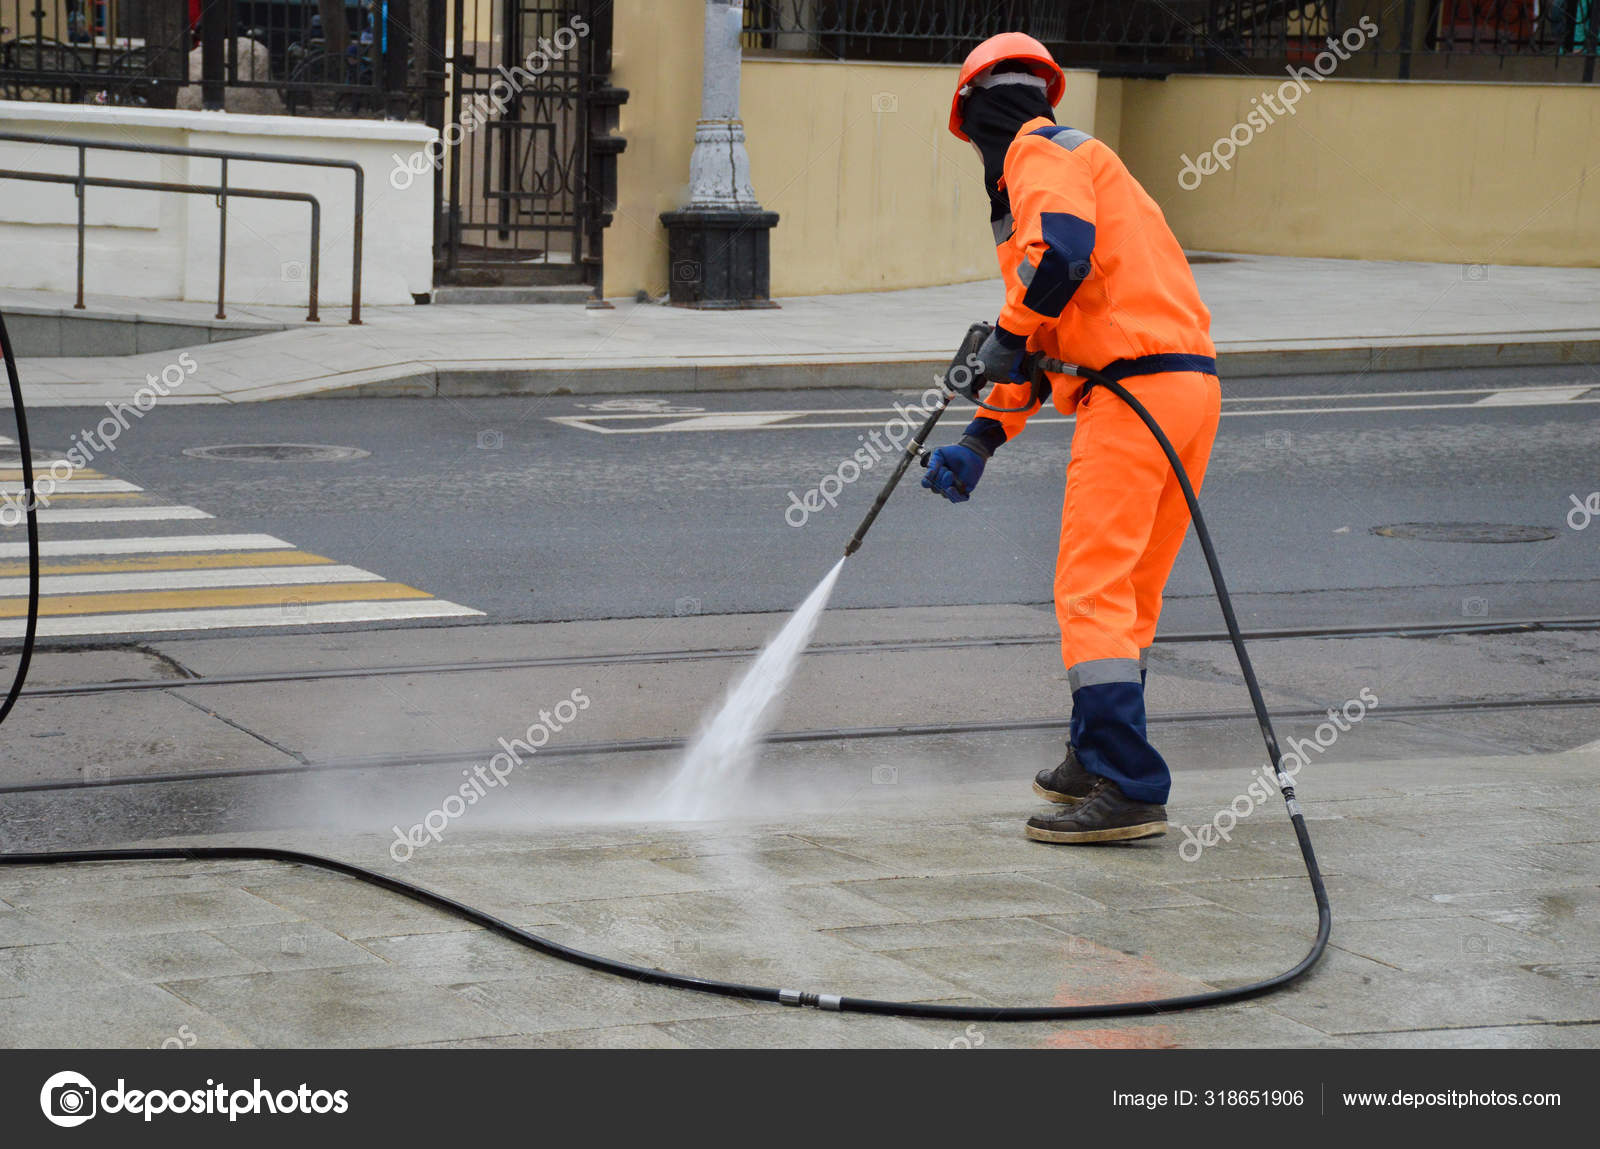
720 257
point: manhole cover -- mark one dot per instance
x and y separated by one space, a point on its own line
275 453
1465 532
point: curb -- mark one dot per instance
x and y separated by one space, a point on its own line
915 371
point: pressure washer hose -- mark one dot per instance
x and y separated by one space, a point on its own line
653 976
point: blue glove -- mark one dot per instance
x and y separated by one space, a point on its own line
1002 354
953 472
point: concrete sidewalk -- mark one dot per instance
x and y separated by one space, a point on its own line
1270 316
1463 873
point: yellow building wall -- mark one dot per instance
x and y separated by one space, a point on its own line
657 47
872 191
874 194
1374 169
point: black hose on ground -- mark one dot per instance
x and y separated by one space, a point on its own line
685 981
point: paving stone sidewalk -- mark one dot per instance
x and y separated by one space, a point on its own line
1271 315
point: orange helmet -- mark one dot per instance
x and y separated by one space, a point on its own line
1008 46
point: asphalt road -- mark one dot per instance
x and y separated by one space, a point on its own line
585 507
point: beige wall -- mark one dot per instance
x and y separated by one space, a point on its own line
873 192
1373 169
656 53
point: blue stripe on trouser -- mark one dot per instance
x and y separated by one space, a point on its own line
1108 729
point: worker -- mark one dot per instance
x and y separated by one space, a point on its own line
1093 276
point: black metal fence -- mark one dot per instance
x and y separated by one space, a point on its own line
1466 39
388 57
311 57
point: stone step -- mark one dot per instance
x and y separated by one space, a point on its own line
551 293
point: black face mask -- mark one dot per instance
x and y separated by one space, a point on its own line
991 117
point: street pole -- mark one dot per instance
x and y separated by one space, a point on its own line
719 168
719 243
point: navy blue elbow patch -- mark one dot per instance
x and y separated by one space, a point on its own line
1069 243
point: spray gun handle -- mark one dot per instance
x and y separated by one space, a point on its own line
965 373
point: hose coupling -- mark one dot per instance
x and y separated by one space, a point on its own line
800 998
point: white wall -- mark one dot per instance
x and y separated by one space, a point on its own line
164 245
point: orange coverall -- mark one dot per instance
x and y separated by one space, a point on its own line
1094 276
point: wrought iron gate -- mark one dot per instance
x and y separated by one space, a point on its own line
518 205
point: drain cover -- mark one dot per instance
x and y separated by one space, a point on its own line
275 453
1465 532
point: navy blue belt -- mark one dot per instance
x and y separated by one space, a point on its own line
1121 369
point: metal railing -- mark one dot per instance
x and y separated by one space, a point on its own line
369 63
1556 31
1469 39
221 191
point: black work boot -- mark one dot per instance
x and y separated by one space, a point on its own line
1106 815
1068 783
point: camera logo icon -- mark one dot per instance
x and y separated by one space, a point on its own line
68 1099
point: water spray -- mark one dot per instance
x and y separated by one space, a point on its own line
962 379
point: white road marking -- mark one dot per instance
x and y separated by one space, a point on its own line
61 548
190 580
911 406
732 421
1546 396
1532 396
74 486
113 514
308 614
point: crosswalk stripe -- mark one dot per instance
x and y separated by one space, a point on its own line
291 600
97 498
191 580
11 469
315 614
115 514
73 486
273 558
162 583
58 547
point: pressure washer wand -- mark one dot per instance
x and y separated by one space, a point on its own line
914 450
961 377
